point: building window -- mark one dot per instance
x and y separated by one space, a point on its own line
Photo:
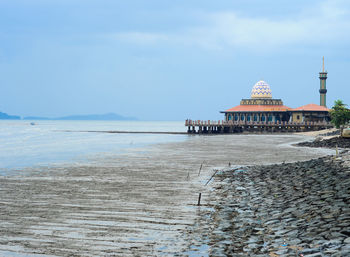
270 118
236 117
248 118
298 117
229 117
242 117
255 117
263 118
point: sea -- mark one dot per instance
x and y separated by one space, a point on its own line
71 188
41 143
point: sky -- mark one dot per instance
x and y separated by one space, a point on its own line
168 60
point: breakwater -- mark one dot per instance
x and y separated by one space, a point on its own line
290 209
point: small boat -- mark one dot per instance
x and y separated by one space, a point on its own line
32 123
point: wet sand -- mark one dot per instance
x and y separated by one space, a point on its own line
138 203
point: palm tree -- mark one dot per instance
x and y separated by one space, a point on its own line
340 115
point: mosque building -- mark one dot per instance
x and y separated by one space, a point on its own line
261 107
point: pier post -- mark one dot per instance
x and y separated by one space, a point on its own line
200 130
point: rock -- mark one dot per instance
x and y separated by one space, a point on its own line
282 210
314 255
282 251
329 143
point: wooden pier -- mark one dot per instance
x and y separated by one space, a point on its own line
229 127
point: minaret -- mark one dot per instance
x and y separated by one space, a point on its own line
323 90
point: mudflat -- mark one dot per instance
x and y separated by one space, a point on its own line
141 202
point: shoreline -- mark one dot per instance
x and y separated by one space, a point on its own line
309 133
138 203
300 208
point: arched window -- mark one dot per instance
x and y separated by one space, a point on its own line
270 117
255 117
242 117
248 117
263 118
236 117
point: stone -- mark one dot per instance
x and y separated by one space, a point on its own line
347 240
314 255
310 251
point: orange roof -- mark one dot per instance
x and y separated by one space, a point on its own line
311 107
258 108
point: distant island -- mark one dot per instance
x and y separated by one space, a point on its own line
5 116
107 116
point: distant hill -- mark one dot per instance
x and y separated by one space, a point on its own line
107 116
35 118
5 116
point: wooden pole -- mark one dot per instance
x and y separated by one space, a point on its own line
199 199
200 168
211 177
336 150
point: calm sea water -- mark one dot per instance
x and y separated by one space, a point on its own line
48 142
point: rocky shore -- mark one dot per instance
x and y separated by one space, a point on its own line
289 209
328 143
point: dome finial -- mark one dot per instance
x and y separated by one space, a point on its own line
323 64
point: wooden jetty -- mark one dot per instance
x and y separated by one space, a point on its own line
228 127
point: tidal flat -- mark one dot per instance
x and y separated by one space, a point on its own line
142 202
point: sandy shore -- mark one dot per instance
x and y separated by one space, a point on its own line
319 133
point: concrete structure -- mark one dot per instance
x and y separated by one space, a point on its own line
262 113
323 89
310 113
260 107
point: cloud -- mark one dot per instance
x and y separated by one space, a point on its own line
325 23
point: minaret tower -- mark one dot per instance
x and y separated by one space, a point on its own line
323 90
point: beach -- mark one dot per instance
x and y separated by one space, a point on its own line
142 202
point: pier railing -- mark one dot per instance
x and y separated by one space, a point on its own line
221 126
253 123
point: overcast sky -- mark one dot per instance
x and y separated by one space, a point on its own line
168 59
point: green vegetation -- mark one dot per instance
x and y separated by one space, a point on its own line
340 114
